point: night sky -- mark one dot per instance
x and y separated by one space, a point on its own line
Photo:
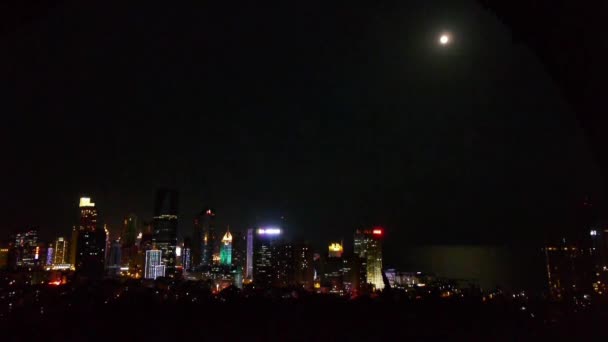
335 116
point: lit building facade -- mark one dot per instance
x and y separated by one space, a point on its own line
27 249
165 228
153 266
61 250
90 241
187 258
226 250
368 246
50 256
335 250
265 255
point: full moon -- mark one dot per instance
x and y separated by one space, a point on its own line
444 39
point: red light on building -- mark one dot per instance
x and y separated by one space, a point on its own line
377 231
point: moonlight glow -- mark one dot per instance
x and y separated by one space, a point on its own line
444 39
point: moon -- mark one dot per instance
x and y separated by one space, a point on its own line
444 39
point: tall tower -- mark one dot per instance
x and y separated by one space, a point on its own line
368 247
61 250
226 250
204 239
165 227
90 241
210 243
130 230
264 255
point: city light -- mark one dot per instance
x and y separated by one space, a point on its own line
593 232
86 202
335 247
269 231
178 251
377 231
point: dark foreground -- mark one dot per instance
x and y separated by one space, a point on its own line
151 313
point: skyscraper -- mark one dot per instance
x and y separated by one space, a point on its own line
210 243
61 248
90 241
165 228
226 250
130 230
368 246
303 265
114 261
264 255
27 249
187 258
50 255
153 266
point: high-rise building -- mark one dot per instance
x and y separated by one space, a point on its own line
187 258
226 250
165 228
368 246
210 244
88 214
130 230
154 267
303 265
114 261
50 256
265 255
249 254
90 241
61 249
27 249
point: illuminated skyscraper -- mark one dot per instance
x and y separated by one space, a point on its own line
249 254
226 250
265 255
27 249
165 227
50 256
88 214
90 241
61 249
153 267
368 246
187 258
